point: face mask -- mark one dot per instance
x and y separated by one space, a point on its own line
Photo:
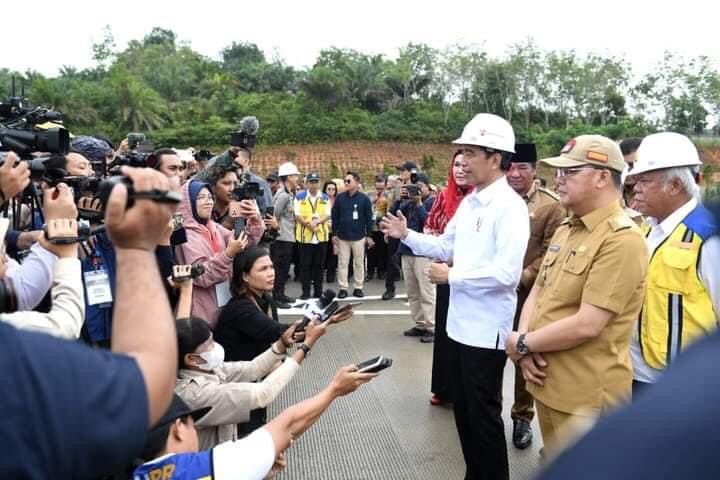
213 358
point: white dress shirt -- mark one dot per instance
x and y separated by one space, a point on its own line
707 271
486 239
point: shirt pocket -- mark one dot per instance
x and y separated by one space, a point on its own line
674 273
573 275
547 265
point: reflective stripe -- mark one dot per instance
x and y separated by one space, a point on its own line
675 318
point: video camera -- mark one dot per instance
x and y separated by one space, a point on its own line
246 137
106 186
139 149
20 131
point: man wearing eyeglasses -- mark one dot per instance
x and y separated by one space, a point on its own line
573 339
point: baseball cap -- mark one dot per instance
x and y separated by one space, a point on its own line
312 177
589 150
525 153
179 409
272 177
423 177
409 165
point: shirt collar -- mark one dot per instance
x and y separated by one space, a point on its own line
674 219
597 216
486 194
531 193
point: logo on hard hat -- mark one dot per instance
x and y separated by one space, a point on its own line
568 146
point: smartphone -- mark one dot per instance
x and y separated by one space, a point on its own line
346 307
177 221
374 365
270 210
234 209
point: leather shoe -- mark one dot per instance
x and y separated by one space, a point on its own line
284 299
429 337
358 293
370 275
522 434
389 295
415 332
305 296
342 294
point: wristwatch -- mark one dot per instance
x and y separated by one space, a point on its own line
305 349
521 346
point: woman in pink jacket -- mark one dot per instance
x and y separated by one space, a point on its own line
212 246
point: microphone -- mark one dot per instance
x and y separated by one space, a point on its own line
319 309
249 125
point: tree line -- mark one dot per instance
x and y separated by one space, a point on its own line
161 86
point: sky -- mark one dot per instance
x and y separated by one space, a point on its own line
55 33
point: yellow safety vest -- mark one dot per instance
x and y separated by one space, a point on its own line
677 309
307 210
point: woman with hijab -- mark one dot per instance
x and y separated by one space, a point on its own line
445 206
212 246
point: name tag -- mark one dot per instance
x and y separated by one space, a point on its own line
97 287
356 216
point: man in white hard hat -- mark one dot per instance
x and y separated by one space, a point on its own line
682 295
573 338
485 243
281 250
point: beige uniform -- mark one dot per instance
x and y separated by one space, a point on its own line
600 259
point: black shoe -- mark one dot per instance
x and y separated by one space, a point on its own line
342 294
522 434
415 332
429 337
370 275
305 296
358 293
330 277
389 295
282 305
284 299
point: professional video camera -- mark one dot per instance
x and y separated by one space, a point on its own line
107 185
20 131
246 137
139 148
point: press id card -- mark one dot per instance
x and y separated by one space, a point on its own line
97 287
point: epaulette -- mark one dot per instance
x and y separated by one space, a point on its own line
552 194
635 216
621 222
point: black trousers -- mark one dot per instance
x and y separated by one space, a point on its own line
440 385
377 256
477 375
312 264
281 253
392 273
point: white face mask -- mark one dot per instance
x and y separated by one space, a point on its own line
214 358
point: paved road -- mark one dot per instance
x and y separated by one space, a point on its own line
387 429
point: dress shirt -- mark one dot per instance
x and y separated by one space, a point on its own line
486 239
32 278
707 271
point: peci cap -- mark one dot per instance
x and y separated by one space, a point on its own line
525 153
589 150
408 165
312 177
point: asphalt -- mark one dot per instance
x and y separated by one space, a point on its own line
387 429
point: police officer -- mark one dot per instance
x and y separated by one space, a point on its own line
573 339
312 213
546 213
682 296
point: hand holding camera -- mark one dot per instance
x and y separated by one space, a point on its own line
138 226
59 203
61 237
13 178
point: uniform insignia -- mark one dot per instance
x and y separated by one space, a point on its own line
581 249
597 156
568 146
554 248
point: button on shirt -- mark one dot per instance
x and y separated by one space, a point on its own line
707 271
486 239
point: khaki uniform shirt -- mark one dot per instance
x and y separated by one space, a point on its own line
546 213
600 259
228 390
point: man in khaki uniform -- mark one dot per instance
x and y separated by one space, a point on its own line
573 341
546 213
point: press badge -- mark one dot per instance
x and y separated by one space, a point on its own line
222 293
97 287
356 216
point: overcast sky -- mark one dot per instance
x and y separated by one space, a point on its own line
45 35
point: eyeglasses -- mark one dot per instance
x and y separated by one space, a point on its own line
347 180
568 172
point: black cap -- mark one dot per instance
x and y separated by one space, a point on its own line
312 177
525 153
179 409
424 178
406 165
272 177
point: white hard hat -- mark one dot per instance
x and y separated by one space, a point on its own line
488 130
287 169
665 150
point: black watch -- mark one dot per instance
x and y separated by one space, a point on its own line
521 346
305 349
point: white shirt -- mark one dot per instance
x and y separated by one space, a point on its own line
707 272
486 238
249 458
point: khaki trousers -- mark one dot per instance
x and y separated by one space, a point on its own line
357 247
560 429
420 292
